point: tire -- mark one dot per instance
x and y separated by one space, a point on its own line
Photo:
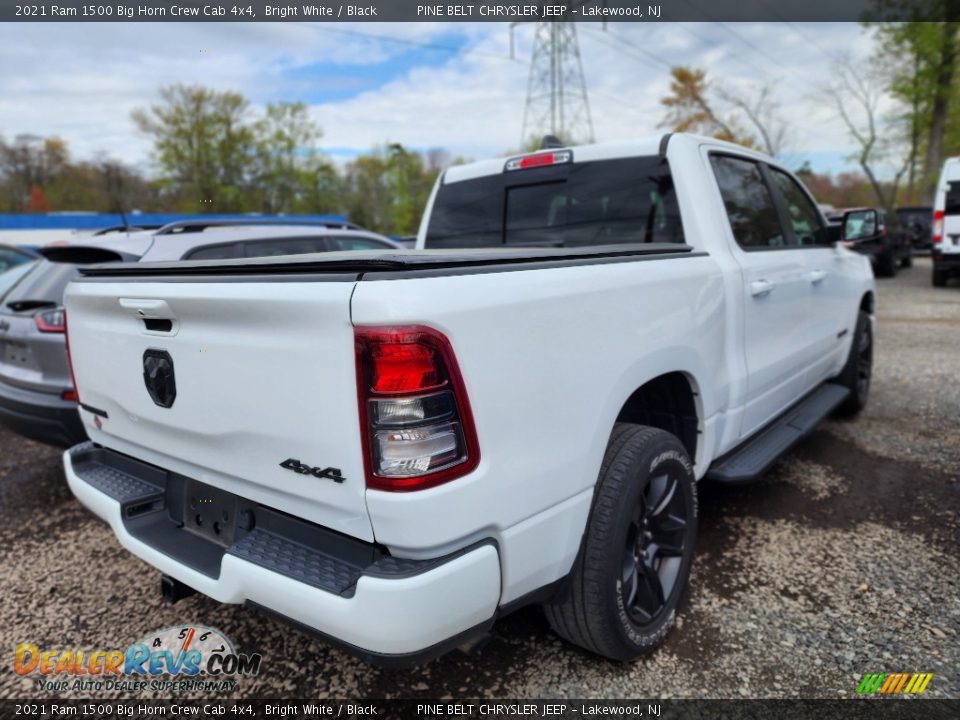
939 278
907 260
886 265
858 369
609 605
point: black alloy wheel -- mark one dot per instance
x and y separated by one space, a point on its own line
654 550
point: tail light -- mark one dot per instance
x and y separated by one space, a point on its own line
73 393
51 321
415 418
937 227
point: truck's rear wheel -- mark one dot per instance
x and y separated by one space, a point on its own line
939 278
631 574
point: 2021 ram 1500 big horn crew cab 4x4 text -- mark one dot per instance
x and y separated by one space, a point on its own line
395 449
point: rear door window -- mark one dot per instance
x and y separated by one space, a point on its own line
627 200
285 246
229 251
749 204
801 212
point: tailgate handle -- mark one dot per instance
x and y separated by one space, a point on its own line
154 316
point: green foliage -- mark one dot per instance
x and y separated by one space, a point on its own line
389 188
204 144
920 59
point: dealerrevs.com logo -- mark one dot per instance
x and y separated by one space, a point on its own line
196 657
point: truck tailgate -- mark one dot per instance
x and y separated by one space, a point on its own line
264 373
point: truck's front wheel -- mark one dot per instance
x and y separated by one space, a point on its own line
629 579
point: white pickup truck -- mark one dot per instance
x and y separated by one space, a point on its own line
394 449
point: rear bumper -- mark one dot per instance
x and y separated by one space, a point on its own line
946 261
41 416
391 610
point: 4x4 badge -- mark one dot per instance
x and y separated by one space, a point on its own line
4 326
298 467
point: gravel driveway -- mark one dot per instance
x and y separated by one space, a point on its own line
843 561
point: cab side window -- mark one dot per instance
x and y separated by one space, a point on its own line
804 218
750 206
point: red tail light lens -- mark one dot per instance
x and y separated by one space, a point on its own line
73 394
415 419
937 227
400 366
51 321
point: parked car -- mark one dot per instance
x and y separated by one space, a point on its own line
918 221
880 236
36 396
945 250
14 262
394 450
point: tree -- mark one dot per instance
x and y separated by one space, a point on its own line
37 202
856 95
203 144
690 109
30 161
387 189
921 58
762 112
286 156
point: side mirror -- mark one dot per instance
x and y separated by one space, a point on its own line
860 224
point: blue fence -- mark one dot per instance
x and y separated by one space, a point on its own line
93 221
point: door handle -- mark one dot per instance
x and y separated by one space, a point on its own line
760 288
817 276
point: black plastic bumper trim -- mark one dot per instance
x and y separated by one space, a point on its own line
95 411
155 506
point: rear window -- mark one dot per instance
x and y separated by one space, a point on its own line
915 216
628 200
46 282
952 205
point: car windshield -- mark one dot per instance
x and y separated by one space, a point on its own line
629 200
44 283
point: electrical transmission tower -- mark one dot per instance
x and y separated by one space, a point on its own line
557 100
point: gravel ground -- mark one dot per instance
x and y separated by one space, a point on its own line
843 561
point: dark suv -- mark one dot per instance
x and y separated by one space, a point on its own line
880 236
918 222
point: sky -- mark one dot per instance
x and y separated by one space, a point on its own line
426 85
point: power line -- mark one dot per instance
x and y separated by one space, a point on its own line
404 41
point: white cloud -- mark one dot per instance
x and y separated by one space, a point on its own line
82 81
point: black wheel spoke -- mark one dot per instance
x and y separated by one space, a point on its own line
660 549
655 588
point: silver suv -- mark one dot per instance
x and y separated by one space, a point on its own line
36 392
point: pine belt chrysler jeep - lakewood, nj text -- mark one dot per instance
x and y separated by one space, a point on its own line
393 449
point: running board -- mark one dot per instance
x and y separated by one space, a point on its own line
752 458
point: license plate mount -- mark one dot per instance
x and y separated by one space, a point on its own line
210 512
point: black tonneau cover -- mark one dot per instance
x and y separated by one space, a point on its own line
393 262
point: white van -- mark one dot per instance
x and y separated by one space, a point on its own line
946 224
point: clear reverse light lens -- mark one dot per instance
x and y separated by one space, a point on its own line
411 411
402 453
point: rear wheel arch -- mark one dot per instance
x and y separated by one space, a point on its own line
672 402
